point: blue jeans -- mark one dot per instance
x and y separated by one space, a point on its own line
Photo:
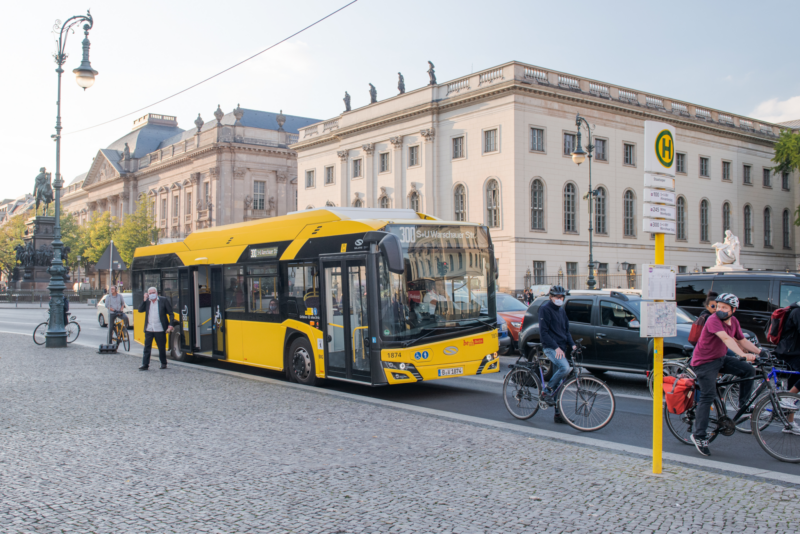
561 366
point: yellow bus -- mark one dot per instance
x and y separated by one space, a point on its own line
375 296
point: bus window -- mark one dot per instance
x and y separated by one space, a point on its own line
234 288
152 279
262 290
170 285
302 290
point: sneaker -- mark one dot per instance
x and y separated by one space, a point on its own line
789 404
701 444
560 420
547 396
794 428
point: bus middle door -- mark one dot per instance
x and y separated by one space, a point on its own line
217 313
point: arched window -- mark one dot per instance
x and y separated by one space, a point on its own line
680 216
600 211
767 227
537 205
492 204
704 220
570 225
309 207
413 200
748 226
330 204
787 240
384 202
460 202
357 203
630 214
726 217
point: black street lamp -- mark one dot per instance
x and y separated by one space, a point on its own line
579 156
56 336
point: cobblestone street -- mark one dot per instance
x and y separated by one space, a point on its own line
90 444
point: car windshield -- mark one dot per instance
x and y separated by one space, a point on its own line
505 303
683 317
128 299
445 268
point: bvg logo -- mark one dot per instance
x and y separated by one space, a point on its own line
665 148
451 351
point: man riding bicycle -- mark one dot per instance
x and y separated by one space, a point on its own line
721 333
556 339
115 305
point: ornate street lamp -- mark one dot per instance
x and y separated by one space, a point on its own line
56 336
579 156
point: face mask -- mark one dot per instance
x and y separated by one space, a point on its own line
152 296
723 316
559 302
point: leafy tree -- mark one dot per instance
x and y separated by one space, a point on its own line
101 230
11 236
74 236
137 230
787 158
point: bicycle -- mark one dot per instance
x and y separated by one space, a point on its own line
118 332
731 396
676 368
72 328
585 402
771 418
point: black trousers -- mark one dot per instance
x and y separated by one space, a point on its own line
707 380
161 341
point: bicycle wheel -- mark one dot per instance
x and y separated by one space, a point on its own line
126 340
73 331
39 334
671 368
586 403
113 334
773 437
682 425
731 400
521 390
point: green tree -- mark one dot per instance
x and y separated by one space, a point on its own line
74 236
137 230
11 236
100 231
787 158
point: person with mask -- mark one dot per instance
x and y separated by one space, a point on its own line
272 307
157 319
556 340
720 333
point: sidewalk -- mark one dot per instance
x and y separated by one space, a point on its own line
90 444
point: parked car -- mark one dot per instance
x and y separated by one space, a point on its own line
510 309
102 311
760 293
503 337
608 323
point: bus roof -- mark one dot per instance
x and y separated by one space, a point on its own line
238 236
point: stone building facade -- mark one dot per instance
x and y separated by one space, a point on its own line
234 168
494 147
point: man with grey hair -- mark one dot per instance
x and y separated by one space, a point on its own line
157 319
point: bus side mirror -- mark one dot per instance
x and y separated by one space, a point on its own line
389 245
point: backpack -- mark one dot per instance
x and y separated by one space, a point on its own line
774 328
697 329
679 393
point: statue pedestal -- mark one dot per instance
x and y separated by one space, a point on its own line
32 274
731 268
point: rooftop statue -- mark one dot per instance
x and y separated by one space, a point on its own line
401 83
346 101
431 73
373 94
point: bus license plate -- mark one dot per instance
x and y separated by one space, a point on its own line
452 371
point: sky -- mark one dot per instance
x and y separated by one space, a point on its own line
736 56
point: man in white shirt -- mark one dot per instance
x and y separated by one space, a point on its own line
157 319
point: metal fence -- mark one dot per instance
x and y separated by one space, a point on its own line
30 296
603 281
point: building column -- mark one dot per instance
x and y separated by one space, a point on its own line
398 171
369 175
285 197
344 187
430 181
216 198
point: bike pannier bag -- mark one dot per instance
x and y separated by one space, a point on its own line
679 393
697 329
774 328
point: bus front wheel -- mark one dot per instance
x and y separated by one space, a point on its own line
176 352
301 363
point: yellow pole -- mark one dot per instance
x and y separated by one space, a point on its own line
658 378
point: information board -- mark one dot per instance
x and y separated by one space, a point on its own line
659 148
659 196
658 282
658 226
659 211
661 182
658 319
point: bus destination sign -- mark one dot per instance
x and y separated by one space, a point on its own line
268 252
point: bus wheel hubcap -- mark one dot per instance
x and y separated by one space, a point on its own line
302 363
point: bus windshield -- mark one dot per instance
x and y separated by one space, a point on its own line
446 278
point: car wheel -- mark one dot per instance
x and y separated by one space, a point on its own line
101 320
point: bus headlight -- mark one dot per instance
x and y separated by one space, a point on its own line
400 376
490 357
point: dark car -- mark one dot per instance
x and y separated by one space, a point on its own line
608 323
503 336
760 293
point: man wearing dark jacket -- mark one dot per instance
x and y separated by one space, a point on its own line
556 340
157 319
788 350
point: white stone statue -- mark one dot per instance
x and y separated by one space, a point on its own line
727 253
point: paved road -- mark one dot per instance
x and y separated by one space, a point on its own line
90 444
482 397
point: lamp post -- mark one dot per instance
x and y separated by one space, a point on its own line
579 156
56 336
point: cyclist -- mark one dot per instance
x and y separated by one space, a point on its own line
788 350
115 305
556 340
720 333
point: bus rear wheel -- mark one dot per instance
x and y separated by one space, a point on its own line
175 350
301 363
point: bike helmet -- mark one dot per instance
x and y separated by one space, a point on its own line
728 298
557 290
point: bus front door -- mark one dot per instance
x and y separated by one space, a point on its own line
346 318
186 296
217 312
